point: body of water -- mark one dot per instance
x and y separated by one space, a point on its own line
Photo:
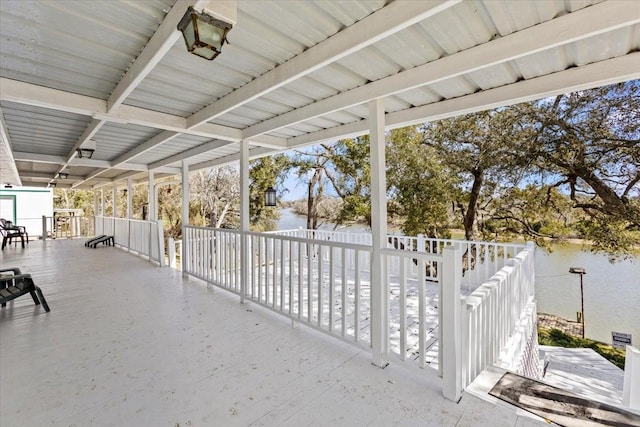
611 291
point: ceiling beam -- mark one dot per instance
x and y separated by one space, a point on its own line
598 74
195 151
8 170
92 163
582 24
47 176
40 96
255 153
383 23
159 44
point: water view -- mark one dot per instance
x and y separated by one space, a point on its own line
611 291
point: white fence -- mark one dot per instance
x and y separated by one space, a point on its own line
142 237
480 260
323 279
324 285
631 385
67 227
499 321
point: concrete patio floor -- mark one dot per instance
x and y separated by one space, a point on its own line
130 344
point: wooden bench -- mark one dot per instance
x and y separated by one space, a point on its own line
14 284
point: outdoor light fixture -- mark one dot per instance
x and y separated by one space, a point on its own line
581 271
85 152
203 34
270 197
8 186
52 184
63 175
87 149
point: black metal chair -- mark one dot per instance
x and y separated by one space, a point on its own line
14 284
10 231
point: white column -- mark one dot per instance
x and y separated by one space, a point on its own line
450 332
103 203
244 217
379 293
130 198
185 214
631 382
185 193
96 204
152 198
114 199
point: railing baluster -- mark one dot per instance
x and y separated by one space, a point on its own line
403 307
343 291
356 320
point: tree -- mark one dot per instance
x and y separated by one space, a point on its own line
478 149
310 166
67 198
264 173
351 179
215 195
419 186
539 214
588 143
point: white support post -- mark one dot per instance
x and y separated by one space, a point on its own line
185 214
152 199
103 203
244 218
451 333
96 204
379 293
171 251
631 382
130 198
114 199
44 228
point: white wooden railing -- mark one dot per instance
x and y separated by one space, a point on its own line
67 227
324 285
142 237
480 260
323 279
499 321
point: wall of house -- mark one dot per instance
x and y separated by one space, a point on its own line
25 206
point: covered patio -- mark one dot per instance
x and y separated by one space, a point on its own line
128 343
104 95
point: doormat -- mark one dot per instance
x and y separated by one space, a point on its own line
559 406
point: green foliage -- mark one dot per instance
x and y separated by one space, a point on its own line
215 197
557 338
540 214
264 173
67 198
421 188
351 161
588 144
477 149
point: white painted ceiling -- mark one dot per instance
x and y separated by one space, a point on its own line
294 73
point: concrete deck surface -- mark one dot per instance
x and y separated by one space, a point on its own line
130 344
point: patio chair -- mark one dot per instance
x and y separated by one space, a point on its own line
14 284
10 231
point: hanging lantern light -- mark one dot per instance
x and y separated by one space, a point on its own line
270 197
203 34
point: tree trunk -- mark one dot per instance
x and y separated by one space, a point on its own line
313 199
470 216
